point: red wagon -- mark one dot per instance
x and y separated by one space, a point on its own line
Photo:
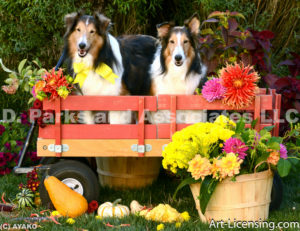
69 141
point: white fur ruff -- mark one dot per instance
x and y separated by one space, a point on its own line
175 81
96 85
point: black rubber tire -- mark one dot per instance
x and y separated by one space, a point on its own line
48 160
72 169
53 160
277 192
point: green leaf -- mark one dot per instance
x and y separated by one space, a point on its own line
269 128
41 72
26 87
274 145
4 67
4 137
21 65
294 161
198 91
13 75
245 136
37 62
8 81
183 183
28 73
207 31
30 100
253 123
13 143
240 126
275 139
284 167
208 186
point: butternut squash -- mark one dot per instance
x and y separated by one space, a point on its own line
66 201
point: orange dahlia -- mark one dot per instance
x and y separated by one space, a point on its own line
273 157
199 167
240 84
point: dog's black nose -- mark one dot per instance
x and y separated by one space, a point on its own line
82 45
178 58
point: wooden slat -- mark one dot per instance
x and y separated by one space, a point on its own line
119 103
196 102
58 124
257 111
262 91
277 114
101 148
141 124
173 108
163 130
102 103
98 131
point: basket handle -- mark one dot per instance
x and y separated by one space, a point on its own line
260 163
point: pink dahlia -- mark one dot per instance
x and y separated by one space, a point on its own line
283 152
213 90
236 146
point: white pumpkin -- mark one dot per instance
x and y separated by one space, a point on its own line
109 209
135 207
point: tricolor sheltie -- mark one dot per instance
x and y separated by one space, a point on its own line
104 65
177 67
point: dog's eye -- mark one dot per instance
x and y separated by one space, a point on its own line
92 31
78 29
172 41
185 41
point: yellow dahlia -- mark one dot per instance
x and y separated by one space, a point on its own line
230 165
215 168
199 167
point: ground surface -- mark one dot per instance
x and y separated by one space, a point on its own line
160 192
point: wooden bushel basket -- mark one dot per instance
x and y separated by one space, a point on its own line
246 199
127 172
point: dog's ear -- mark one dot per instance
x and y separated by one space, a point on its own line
102 22
164 28
71 19
193 24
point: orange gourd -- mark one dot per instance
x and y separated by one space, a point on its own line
66 201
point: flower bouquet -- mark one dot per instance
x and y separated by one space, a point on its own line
52 85
235 86
226 163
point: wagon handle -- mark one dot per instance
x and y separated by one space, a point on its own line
260 163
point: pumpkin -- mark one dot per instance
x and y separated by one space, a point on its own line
109 209
135 207
25 198
66 201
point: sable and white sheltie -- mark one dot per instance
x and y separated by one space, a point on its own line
177 67
88 41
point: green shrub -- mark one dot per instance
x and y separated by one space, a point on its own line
34 29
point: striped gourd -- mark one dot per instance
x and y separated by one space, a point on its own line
109 209
25 198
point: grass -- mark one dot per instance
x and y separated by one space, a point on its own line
160 192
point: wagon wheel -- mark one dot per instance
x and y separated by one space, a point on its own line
76 175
